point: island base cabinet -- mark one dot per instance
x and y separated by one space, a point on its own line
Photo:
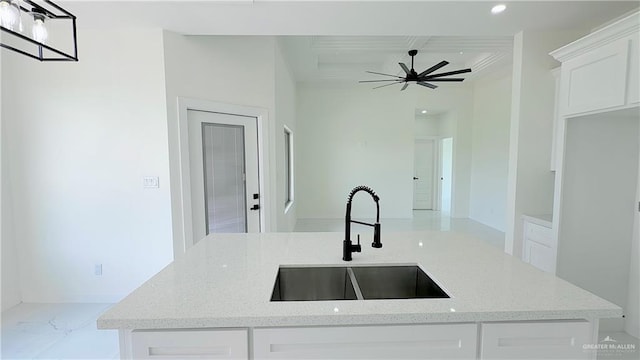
190 344
438 341
536 340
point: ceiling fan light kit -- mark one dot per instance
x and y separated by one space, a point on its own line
15 13
424 78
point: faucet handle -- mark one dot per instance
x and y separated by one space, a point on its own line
357 247
376 236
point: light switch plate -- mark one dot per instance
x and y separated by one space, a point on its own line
151 182
97 269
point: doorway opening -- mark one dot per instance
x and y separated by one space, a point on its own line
220 178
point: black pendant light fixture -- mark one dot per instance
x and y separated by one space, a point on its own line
424 78
25 23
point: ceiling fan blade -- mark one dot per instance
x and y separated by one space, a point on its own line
393 83
448 73
434 68
445 79
377 73
404 86
366 81
431 86
405 68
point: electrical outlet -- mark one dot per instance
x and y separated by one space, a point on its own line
151 182
97 269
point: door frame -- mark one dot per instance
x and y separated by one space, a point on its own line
181 206
435 189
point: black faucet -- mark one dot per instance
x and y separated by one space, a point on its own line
347 246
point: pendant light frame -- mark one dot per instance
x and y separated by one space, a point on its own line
50 11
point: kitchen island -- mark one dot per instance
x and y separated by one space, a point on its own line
214 302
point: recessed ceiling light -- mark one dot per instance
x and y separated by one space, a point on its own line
461 52
498 9
424 111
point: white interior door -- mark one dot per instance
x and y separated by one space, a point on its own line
446 174
223 163
423 184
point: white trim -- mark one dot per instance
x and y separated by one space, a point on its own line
183 211
290 165
617 30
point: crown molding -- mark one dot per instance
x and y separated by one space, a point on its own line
620 29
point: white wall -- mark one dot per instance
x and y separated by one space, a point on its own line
285 114
490 150
10 286
427 125
598 205
353 135
80 137
530 180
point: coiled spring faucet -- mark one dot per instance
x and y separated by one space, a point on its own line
347 246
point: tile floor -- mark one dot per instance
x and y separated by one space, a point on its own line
57 331
68 331
422 220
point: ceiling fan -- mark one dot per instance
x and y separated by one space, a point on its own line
424 78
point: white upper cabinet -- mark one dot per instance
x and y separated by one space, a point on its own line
600 72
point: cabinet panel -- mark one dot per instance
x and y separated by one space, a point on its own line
541 256
538 233
192 344
450 341
535 340
596 80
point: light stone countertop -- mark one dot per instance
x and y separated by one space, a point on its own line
227 280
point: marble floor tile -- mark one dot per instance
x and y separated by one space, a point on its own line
56 331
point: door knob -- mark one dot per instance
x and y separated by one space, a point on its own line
255 207
415 178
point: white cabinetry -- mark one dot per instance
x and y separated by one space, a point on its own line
539 248
192 344
597 161
600 71
490 340
535 340
440 341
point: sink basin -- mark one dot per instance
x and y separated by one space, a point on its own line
354 283
396 282
313 284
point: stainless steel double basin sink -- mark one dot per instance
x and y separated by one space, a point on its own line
322 283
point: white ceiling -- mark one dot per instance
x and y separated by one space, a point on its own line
346 58
339 40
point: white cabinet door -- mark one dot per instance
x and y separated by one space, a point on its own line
442 341
539 248
192 344
540 256
596 80
535 340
